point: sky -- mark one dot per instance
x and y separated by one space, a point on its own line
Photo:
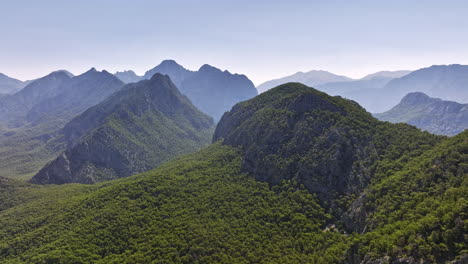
262 39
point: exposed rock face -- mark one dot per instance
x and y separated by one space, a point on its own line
430 114
134 130
306 136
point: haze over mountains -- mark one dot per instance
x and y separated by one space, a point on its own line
381 91
134 130
31 119
10 85
213 91
430 114
311 78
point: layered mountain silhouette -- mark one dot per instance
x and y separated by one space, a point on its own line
294 175
57 96
386 75
430 114
134 130
128 76
169 67
15 108
211 90
311 78
31 119
381 91
10 85
447 82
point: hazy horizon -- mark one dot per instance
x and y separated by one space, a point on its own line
264 40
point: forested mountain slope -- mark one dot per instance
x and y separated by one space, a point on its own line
134 130
397 195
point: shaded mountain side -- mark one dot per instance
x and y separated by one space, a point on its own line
214 91
311 78
134 130
430 114
82 92
15 107
32 119
201 207
329 144
395 195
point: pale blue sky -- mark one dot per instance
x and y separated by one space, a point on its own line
262 39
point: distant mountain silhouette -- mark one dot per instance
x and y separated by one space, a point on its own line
14 108
378 93
128 76
215 91
10 85
311 78
447 82
430 114
169 67
210 89
386 75
30 120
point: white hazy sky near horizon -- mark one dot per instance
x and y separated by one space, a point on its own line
262 39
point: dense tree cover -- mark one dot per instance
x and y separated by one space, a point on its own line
405 203
197 209
421 211
329 144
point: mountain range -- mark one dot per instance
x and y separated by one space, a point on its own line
293 176
57 96
310 78
134 130
10 85
430 114
211 90
381 91
31 119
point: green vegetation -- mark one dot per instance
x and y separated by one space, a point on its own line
379 193
421 211
133 131
25 150
199 208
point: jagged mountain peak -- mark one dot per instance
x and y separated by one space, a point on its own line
133 130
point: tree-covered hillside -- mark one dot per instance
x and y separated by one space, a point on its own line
397 195
133 131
